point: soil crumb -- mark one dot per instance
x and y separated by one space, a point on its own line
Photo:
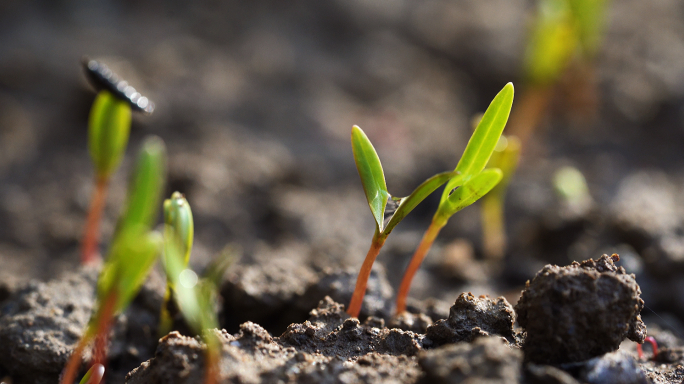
580 311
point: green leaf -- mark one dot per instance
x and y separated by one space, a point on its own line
468 193
178 217
484 139
109 125
146 186
372 177
94 375
589 17
408 203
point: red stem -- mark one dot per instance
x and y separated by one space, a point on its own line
102 335
651 340
74 362
414 265
362 280
91 236
211 368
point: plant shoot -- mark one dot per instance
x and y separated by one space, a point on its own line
471 182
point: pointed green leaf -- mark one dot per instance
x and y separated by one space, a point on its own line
178 217
146 186
109 125
484 139
372 177
94 375
416 197
469 193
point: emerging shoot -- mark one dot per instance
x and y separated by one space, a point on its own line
94 375
651 340
373 181
471 182
505 157
177 219
133 252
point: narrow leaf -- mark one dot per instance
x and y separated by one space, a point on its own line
484 139
416 197
469 193
94 375
372 177
109 125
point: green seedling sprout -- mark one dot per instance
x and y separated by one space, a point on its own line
177 218
565 37
471 182
505 157
373 181
94 375
108 128
133 252
195 297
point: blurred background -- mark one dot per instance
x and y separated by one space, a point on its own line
256 101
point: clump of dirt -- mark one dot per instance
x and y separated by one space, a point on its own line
487 359
580 311
329 347
471 317
42 322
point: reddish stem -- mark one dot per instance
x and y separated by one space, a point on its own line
91 236
102 335
212 366
417 259
362 281
69 374
651 340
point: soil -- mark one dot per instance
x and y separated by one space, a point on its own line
255 101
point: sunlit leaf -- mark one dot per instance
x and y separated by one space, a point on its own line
469 192
590 20
108 128
484 139
146 185
94 375
372 177
416 197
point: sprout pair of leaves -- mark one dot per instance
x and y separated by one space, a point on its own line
471 182
134 248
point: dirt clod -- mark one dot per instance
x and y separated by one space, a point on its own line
472 317
487 359
580 311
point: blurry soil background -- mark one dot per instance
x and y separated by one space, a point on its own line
256 100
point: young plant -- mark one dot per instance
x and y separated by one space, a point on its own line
109 126
133 252
505 157
177 218
373 181
194 298
94 375
471 182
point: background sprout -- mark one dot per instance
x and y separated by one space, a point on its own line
133 252
373 181
196 298
177 219
471 183
505 157
108 129
571 186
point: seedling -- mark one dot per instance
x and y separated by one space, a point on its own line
471 182
133 252
651 340
373 181
177 218
565 37
505 157
109 126
195 298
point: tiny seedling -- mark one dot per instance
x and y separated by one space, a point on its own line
373 181
471 182
195 297
109 126
505 157
178 218
651 340
133 252
571 186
